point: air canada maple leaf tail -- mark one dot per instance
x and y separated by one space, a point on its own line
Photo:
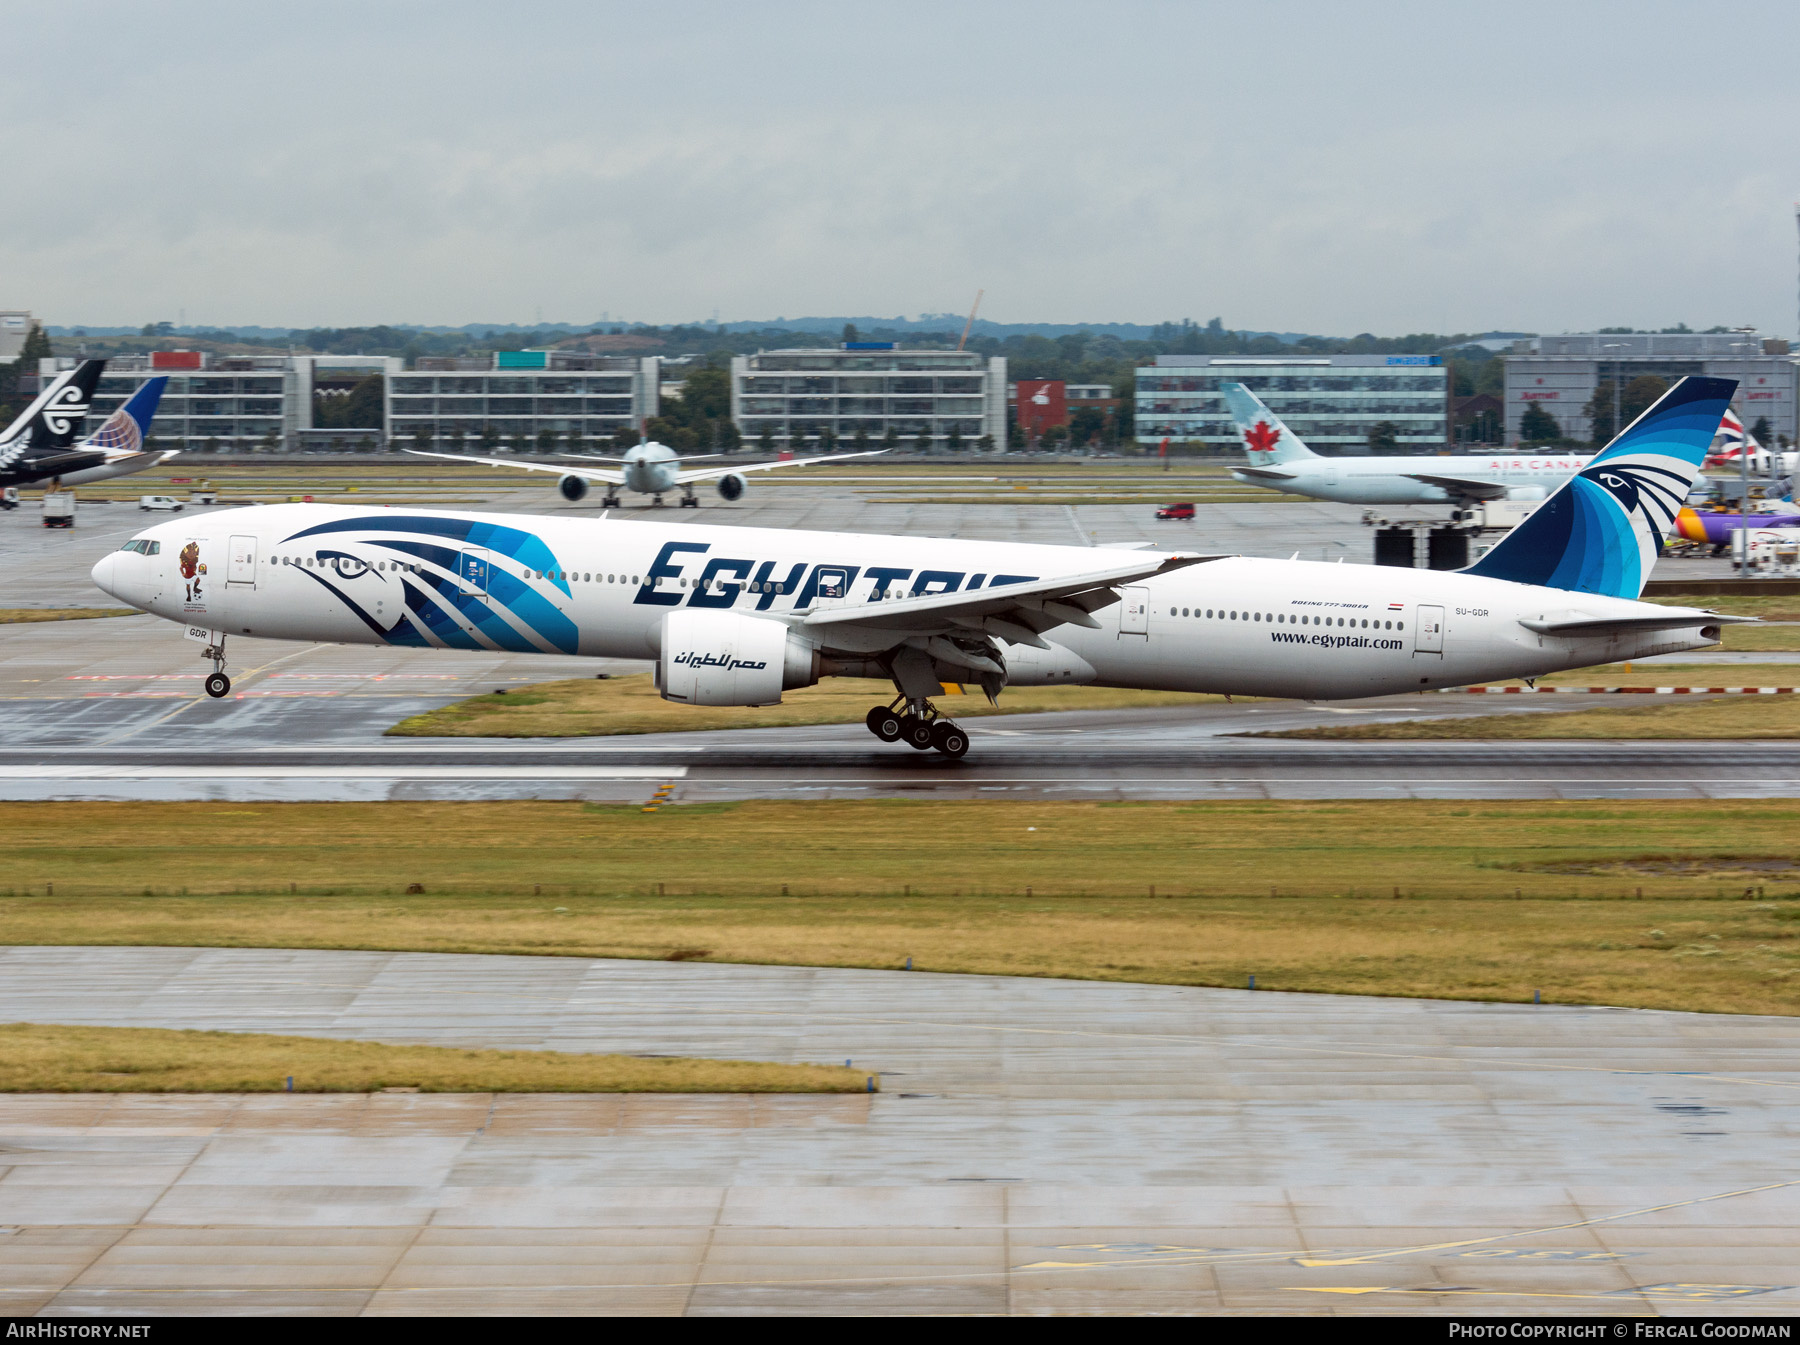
1265 438
1602 531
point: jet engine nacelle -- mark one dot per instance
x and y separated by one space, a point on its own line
723 658
1524 492
573 487
732 487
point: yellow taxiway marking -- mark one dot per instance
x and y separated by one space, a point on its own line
1366 1257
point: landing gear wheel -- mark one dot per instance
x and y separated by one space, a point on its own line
884 724
949 739
916 733
690 502
217 685
610 502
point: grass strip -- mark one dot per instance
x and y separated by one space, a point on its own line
56 1058
14 615
589 707
1743 717
1777 607
1598 902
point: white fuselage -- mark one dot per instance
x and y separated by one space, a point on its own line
651 469
602 587
1395 480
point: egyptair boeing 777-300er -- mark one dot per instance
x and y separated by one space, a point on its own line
735 616
649 469
1280 460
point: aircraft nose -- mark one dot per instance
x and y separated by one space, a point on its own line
102 573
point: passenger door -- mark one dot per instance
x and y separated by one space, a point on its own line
240 566
1134 613
1428 631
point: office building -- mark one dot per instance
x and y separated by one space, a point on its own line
796 396
1561 374
1330 401
521 399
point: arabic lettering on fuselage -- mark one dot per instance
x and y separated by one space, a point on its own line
721 579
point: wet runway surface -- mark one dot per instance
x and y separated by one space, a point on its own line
1037 1146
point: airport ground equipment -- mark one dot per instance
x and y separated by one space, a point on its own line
59 509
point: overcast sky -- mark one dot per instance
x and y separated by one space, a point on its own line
1334 168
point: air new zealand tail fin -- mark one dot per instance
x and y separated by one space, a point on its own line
1602 531
54 418
1266 439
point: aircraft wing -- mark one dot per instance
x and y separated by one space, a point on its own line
1461 485
711 473
1018 613
1585 623
590 473
1264 473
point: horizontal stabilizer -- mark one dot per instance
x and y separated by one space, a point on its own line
1670 618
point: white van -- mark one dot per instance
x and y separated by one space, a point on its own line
160 502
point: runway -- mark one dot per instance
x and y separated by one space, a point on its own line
1037 1146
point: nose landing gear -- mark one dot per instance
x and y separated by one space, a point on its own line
217 683
921 727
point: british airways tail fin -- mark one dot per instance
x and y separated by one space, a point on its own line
1266 439
54 417
127 429
1602 531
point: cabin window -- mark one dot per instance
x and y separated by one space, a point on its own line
1259 616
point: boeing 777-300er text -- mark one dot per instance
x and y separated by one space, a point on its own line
1280 460
39 447
735 616
649 469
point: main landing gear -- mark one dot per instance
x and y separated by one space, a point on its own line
918 724
689 500
217 683
610 502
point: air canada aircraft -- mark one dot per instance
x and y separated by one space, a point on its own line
1280 460
736 616
649 469
39 447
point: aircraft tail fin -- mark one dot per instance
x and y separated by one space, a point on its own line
1603 529
1267 441
51 421
59 420
127 429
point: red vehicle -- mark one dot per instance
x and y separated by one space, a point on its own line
1184 509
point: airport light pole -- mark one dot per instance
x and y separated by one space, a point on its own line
1618 374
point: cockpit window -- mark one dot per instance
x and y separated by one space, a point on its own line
143 546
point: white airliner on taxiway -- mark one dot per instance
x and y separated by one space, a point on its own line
735 616
1280 460
649 469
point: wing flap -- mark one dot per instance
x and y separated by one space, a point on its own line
1461 485
1029 608
712 473
588 473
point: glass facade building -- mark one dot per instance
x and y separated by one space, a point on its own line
231 404
522 395
795 394
1561 374
1330 401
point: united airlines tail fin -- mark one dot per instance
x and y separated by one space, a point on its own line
1602 531
1266 439
127 429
